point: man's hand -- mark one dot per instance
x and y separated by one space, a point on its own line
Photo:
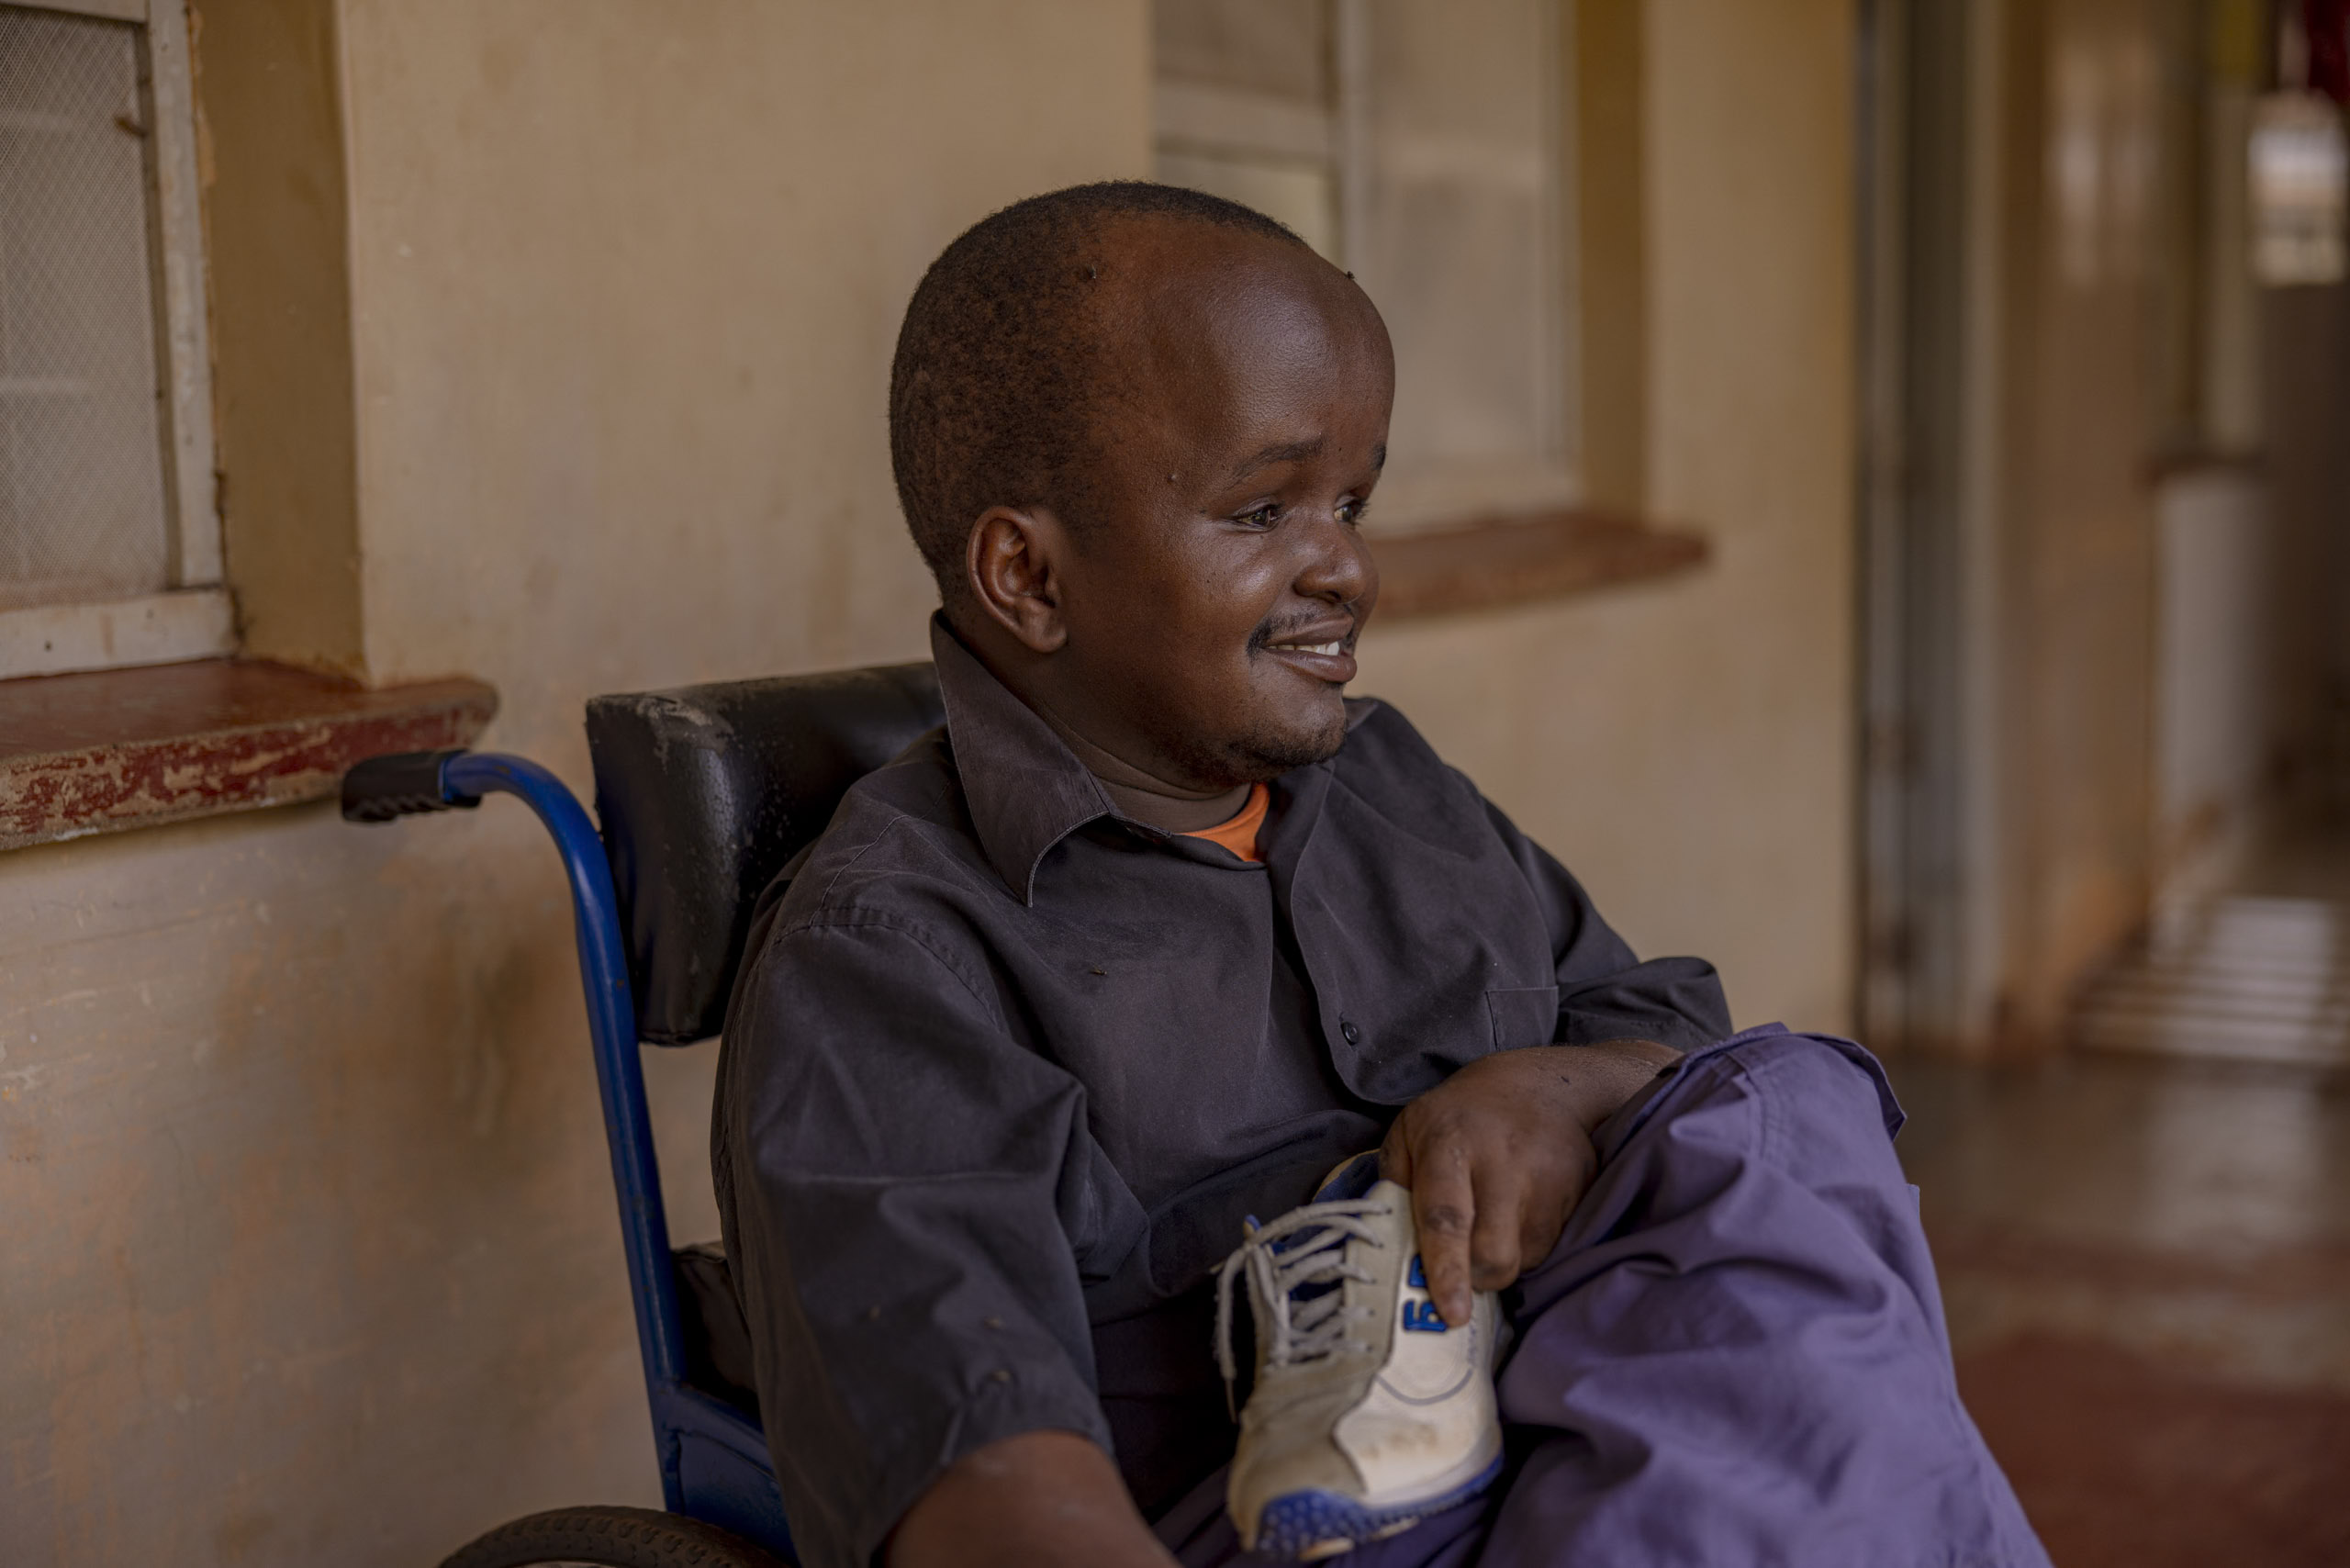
1043 1499
1497 1155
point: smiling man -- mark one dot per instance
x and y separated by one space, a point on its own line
1160 933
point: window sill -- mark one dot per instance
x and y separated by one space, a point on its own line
110 750
1519 560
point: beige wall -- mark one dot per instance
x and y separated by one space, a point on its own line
2080 400
276 192
630 277
310 1255
309 1250
1686 748
2306 395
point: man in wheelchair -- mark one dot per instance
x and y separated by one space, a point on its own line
1050 1064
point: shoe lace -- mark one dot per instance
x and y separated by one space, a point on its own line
1296 1265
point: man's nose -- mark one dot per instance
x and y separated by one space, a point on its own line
1337 566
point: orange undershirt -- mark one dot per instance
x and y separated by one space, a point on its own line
1240 834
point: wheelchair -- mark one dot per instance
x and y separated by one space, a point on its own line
703 795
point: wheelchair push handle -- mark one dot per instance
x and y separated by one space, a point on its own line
402 785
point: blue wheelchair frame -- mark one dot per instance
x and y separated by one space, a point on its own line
714 1462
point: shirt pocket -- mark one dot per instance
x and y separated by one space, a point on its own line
1523 1015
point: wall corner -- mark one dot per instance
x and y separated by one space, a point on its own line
274 182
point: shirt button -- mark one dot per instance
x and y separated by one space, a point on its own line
1350 1031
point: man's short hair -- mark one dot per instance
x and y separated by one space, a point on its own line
997 380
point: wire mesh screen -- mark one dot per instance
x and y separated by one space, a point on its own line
81 511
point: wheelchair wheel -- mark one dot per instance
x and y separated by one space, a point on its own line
612 1537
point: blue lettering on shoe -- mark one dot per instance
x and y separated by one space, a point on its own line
1418 1278
1422 1317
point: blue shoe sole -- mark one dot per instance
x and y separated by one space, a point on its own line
1293 1525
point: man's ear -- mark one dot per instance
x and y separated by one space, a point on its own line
1014 561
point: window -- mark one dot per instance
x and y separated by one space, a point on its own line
2299 167
1421 145
109 534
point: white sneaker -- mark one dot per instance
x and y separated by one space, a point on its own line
1368 1413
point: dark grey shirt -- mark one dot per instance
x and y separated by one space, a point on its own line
1005 1071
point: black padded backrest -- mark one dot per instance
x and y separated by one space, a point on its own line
706 791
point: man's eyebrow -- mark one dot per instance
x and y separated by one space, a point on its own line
1280 452
1378 456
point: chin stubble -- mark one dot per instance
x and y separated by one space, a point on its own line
1261 755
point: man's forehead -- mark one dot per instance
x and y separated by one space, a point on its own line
1187 263
1181 295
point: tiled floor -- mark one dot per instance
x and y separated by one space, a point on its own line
2262 974
2145 1256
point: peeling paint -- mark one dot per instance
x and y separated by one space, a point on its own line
128 748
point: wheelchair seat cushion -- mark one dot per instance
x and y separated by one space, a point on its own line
718 1336
705 792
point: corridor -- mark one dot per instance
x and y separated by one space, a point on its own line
2259 974
2144 1250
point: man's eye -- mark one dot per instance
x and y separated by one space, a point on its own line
1351 512
1262 517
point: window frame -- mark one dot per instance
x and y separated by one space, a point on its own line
194 617
1199 118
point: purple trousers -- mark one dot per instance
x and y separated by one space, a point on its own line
1735 1356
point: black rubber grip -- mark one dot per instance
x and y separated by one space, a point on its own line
401 785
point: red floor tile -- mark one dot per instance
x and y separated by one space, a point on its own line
2122 1462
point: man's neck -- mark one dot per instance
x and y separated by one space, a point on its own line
1137 794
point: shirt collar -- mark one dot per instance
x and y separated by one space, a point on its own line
1025 789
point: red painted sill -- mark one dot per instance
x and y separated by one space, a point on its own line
125 748
1517 560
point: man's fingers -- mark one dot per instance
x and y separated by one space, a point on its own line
1496 1238
1444 1208
1539 1227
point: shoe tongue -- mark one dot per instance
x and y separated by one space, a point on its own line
1354 1179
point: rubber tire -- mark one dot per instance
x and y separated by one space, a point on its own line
612 1538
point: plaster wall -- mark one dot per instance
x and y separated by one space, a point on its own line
630 279
1686 748
2076 633
2306 403
2213 669
310 1254
272 168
